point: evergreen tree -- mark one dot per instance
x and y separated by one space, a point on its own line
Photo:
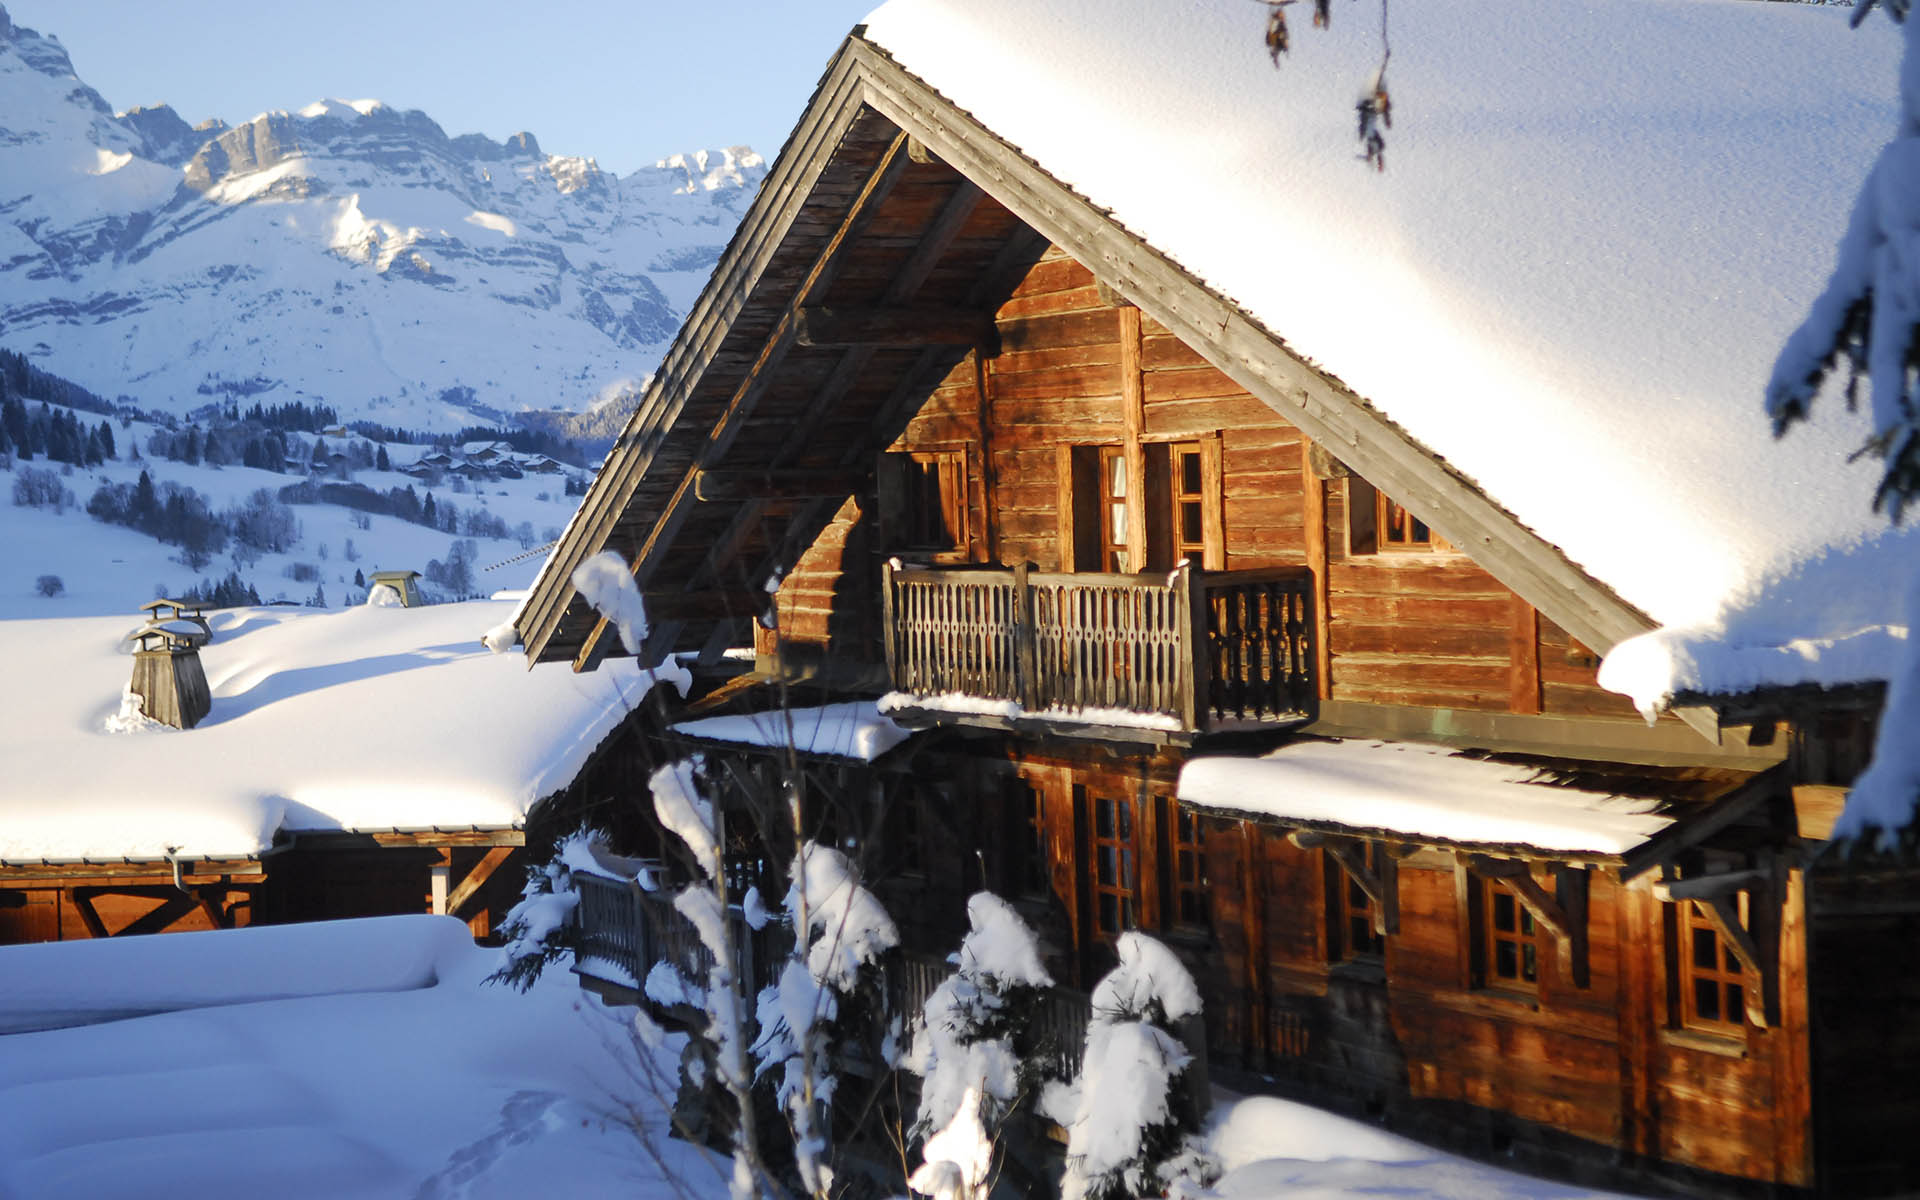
106 441
381 462
192 452
428 514
146 505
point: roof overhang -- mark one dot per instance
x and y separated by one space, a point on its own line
862 78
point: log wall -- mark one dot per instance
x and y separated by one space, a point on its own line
1426 628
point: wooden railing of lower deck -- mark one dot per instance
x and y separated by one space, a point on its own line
1194 648
619 923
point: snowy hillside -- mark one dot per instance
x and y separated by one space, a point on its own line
346 253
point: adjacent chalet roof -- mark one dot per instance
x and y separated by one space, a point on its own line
1545 328
1424 793
370 719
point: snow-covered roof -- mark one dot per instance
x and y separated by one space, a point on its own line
366 719
851 729
1598 223
1422 792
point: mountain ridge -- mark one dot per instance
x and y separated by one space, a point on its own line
346 252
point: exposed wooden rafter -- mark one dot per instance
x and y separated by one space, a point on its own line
666 525
820 325
782 197
1380 880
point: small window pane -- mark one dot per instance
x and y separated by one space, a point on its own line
1117 514
1705 948
1528 967
1191 527
1103 817
1117 476
1124 809
1706 999
1505 960
1503 907
1190 473
1105 867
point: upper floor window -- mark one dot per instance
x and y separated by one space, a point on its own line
1112 521
1115 516
923 496
1377 523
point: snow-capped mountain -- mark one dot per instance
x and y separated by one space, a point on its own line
347 253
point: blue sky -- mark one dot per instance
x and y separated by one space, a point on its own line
625 81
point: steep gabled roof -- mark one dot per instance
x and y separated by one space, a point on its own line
1474 293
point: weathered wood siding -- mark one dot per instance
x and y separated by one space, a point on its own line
1424 628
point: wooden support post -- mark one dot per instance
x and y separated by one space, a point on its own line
1570 889
477 878
1190 598
1523 671
209 902
1133 417
1023 640
437 881
1313 506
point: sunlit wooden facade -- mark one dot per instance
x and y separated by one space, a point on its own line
1080 521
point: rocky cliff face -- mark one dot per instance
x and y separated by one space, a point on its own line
346 252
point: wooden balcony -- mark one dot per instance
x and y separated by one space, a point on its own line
1159 657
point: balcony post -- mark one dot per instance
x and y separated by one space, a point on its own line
1024 650
887 618
1190 598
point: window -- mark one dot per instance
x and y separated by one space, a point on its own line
1113 510
1115 880
1351 932
923 494
1709 981
1188 493
1399 529
1026 813
1377 523
1185 857
1506 952
1176 504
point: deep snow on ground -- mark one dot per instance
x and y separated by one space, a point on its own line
454 1089
368 1059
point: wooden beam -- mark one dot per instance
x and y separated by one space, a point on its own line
1313 512
1705 887
818 325
722 486
437 874
1667 845
1523 659
745 397
779 202
1381 886
477 877
1570 890
1133 419
89 916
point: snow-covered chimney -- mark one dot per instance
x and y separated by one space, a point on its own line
167 675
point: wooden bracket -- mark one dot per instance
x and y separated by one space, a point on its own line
1111 296
1564 914
477 877
1381 882
1757 942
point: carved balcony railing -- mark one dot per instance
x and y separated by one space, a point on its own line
1182 653
623 930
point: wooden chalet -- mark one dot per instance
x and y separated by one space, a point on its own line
334 774
1092 529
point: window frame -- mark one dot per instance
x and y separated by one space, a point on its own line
1685 922
1353 935
904 505
1487 896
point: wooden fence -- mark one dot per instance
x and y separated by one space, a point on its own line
1202 649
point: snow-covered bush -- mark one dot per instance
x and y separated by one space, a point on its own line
49 586
540 929
829 1001
1132 1132
975 1049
